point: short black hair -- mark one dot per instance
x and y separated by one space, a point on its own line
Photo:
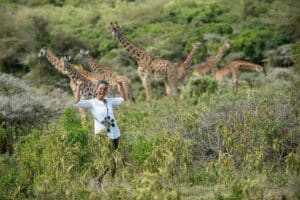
102 82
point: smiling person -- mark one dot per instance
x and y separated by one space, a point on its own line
104 120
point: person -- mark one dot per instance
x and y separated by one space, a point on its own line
104 120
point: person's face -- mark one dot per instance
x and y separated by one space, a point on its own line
101 91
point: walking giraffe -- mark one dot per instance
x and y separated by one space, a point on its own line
210 65
184 69
232 70
148 66
88 87
58 65
106 74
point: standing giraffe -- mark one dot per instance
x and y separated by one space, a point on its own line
106 74
210 65
148 66
57 64
233 68
88 87
184 68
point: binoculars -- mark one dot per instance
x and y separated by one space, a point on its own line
108 122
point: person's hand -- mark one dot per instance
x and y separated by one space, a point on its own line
119 80
79 83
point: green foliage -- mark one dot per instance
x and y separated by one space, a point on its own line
22 108
201 84
220 28
141 150
233 149
293 162
254 41
8 178
245 143
41 3
166 28
254 8
175 153
71 121
183 14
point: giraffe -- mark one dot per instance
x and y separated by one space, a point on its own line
53 59
88 87
107 74
148 66
233 68
184 68
57 64
210 65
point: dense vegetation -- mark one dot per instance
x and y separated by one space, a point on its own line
210 144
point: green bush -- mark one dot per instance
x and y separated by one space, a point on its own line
220 28
254 8
8 177
253 42
22 108
41 2
245 143
141 149
202 84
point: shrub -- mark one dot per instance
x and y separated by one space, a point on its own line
141 149
202 84
8 177
22 108
253 42
220 28
41 3
254 9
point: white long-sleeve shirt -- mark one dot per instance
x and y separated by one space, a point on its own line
100 110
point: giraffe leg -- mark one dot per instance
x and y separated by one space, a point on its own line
168 90
146 83
235 84
234 87
172 82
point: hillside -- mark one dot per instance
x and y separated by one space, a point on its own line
211 143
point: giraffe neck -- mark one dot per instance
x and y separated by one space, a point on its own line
247 65
183 68
88 88
74 75
53 59
93 65
133 50
218 56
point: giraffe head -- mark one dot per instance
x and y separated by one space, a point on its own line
226 44
43 52
261 69
197 45
115 29
64 60
264 71
82 55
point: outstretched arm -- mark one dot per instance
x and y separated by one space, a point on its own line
122 89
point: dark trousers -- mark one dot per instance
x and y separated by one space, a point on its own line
114 145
